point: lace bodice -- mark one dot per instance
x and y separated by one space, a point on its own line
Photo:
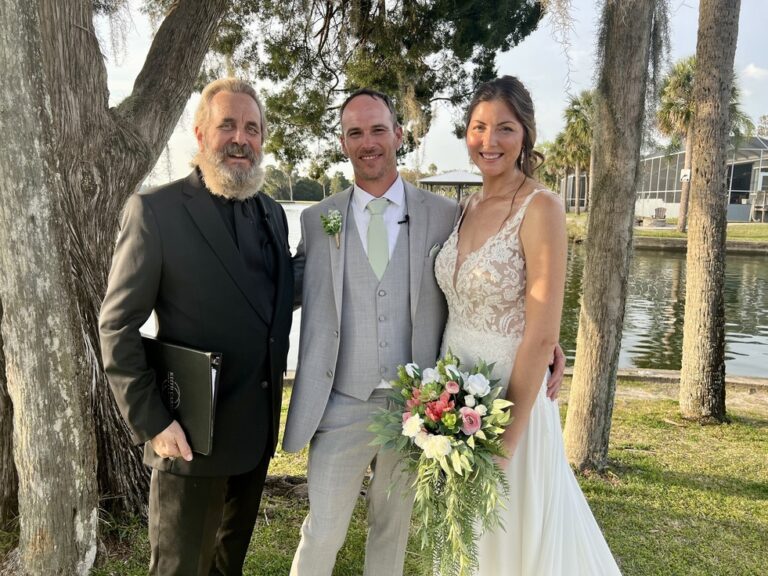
489 291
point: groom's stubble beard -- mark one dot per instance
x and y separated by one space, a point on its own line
226 181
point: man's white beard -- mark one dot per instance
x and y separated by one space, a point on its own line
223 180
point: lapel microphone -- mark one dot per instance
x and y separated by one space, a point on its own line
404 220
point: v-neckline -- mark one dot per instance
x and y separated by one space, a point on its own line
458 265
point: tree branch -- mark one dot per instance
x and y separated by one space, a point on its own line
168 76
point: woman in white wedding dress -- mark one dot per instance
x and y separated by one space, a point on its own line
503 274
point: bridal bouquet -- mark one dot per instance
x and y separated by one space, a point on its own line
446 425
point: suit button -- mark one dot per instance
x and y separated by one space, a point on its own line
329 373
382 292
264 384
336 333
382 318
382 344
383 370
271 340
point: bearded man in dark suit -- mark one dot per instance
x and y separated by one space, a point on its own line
209 254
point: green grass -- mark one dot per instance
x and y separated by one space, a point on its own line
678 498
670 233
735 231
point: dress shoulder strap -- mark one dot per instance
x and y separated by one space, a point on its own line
520 214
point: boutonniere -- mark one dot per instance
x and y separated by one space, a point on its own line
332 224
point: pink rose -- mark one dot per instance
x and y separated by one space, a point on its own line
452 387
415 399
436 408
406 415
471 420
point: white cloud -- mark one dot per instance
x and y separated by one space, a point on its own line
755 72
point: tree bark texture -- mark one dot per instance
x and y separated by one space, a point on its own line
619 102
9 481
62 187
48 379
702 375
685 187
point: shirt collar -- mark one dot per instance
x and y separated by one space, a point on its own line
395 194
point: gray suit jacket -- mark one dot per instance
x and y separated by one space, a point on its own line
319 269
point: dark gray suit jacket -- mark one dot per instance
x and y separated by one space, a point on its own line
175 255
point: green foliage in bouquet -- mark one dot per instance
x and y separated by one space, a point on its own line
446 424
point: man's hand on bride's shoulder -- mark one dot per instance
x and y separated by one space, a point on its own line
557 370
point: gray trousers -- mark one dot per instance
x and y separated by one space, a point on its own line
339 456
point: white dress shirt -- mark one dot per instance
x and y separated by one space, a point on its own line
393 214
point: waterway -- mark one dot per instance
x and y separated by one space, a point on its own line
653 321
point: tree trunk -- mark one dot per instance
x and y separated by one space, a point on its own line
682 219
577 187
48 379
702 376
9 481
619 101
62 187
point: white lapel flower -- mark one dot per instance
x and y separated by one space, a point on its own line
332 224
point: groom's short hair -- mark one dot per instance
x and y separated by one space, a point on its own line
373 94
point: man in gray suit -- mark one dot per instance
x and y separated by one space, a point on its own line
370 302
209 254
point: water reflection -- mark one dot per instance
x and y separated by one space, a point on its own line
653 321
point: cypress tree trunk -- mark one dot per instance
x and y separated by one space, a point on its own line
62 187
9 504
702 376
48 378
625 48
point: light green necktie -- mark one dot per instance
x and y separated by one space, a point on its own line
378 244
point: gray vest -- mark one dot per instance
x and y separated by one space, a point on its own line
375 335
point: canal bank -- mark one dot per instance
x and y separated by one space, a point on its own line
681 245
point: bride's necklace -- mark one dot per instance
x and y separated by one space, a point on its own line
483 197
511 202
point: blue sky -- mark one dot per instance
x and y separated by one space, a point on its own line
539 61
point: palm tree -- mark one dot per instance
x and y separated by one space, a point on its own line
675 118
555 166
702 374
579 118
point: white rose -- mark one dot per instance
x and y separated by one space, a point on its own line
437 446
478 385
430 375
420 439
412 370
412 426
469 400
481 409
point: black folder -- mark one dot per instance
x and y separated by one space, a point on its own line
188 381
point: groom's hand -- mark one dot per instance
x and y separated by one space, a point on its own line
557 370
172 443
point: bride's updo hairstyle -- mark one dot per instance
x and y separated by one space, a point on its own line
511 92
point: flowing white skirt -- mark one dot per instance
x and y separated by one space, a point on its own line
549 529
